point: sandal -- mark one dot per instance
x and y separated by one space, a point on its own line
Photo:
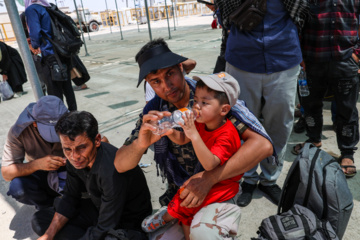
154 222
297 149
81 87
345 167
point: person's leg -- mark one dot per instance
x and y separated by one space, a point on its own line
279 91
186 230
52 87
216 221
33 190
69 95
251 93
74 229
318 81
346 83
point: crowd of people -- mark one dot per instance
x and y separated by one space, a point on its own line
83 187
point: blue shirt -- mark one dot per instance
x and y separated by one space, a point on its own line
272 46
38 19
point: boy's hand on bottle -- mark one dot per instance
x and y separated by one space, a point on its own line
189 126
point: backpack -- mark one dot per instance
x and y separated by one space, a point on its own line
66 36
296 224
315 180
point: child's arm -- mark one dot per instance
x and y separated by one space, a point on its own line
178 137
207 159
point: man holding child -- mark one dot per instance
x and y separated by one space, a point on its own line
162 69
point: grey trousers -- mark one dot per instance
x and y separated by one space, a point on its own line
272 98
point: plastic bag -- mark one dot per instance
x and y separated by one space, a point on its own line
5 90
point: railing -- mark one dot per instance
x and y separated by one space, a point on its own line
110 18
155 13
6 32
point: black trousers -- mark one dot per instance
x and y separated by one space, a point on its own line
343 78
76 227
60 88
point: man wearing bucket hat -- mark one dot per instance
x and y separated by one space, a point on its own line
33 137
178 164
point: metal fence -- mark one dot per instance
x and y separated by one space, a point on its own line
138 15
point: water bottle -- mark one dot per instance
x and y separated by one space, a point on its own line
172 121
303 86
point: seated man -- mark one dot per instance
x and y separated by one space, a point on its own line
116 202
39 180
178 164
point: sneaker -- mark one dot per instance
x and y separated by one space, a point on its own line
154 222
300 125
246 195
273 192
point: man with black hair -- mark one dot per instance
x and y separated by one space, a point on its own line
163 70
116 203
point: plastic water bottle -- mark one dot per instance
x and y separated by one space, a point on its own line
303 86
166 123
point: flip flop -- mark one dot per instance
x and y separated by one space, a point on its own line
349 175
297 149
81 87
345 167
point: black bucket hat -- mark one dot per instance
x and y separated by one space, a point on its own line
157 58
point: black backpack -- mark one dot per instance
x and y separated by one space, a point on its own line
316 181
66 36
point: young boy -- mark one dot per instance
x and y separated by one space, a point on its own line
215 140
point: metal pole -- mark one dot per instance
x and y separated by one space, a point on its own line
117 11
56 2
148 19
87 26
172 4
177 19
107 11
24 48
167 17
82 34
137 22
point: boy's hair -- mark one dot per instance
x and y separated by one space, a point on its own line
220 96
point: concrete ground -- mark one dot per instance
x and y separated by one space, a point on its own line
116 102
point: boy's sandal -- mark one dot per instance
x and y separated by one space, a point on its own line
297 149
154 222
345 167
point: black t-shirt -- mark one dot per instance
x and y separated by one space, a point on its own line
123 199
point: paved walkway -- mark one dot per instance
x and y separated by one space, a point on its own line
116 102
